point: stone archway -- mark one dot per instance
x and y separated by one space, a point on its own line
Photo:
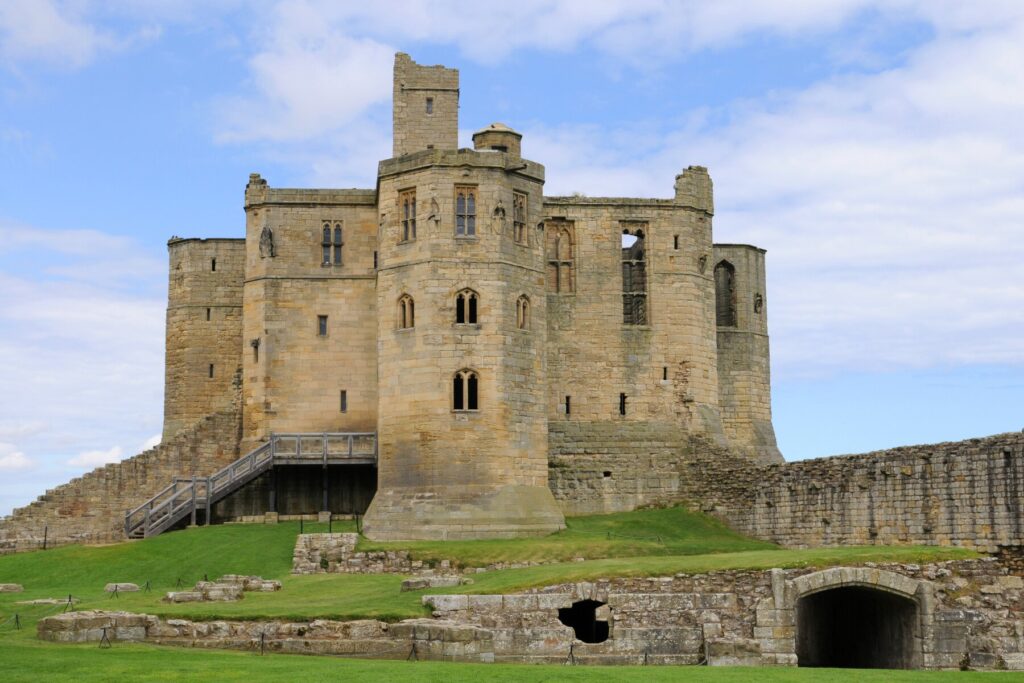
856 627
858 617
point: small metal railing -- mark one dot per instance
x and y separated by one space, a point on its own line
185 496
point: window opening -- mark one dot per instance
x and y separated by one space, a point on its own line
634 278
211 370
430 106
523 312
519 218
675 241
568 405
465 211
664 372
344 401
325 245
607 474
499 148
255 343
337 244
725 294
406 313
321 325
622 404
213 265
561 263
466 307
207 313
375 260
407 204
465 390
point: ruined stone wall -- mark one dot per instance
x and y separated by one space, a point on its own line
664 367
962 493
204 328
294 375
420 125
91 508
744 373
966 613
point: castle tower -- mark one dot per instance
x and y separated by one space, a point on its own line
744 380
461 331
204 329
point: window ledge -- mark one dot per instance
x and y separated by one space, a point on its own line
467 238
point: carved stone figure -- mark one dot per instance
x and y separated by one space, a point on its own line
267 242
498 218
702 263
435 211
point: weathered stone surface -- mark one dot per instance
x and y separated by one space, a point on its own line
121 588
11 588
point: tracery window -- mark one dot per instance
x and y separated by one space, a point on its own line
466 304
725 294
561 260
523 312
465 211
634 278
406 312
465 390
331 243
519 233
407 211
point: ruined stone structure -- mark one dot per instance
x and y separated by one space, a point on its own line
472 323
947 615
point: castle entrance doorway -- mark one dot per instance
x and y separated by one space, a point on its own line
856 627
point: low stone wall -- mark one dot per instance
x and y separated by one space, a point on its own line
91 508
962 613
964 493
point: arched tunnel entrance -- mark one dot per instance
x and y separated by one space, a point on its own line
856 627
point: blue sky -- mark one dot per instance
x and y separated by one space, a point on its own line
873 148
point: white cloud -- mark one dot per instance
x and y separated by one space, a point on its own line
92 459
151 442
50 32
12 460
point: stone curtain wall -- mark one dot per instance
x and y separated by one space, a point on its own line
963 493
969 613
90 508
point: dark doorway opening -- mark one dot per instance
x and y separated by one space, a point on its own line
582 618
855 627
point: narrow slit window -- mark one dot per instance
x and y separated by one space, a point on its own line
213 265
622 404
344 401
210 371
255 350
321 325
675 241
375 260
664 372
568 405
325 245
430 106
465 211
207 313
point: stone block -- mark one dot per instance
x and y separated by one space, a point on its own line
11 588
446 603
121 588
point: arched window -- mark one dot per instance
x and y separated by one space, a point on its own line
406 312
725 294
325 244
466 303
465 390
331 241
519 233
634 278
561 271
523 312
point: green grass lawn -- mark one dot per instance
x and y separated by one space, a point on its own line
642 543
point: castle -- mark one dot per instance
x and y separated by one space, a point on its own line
467 320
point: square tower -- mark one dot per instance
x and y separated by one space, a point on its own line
426 107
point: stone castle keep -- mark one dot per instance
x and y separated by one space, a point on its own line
452 354
472 323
